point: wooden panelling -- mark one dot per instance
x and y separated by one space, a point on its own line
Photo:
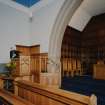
34 49
16 71
71 67
28 50
31 61
41 95
88 46
24 63
49 79
93 41
99 71
7 83
24 50
1 82
94 37
38 64
22 66
15 100
35 68
71 52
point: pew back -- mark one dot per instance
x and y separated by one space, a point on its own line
42 95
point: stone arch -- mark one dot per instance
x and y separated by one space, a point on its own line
55 41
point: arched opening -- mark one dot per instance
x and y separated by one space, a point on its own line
92 56
55 41
88 48
82 51
62 20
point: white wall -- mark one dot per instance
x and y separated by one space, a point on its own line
14 29
17 28
42 23
80 19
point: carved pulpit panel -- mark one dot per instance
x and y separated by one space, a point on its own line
24 65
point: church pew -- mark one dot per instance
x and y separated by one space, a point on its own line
9 98
42 95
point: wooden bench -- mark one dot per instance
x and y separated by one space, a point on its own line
42 95
11 98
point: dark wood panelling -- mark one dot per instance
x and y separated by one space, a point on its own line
87 46
71 43
71 52
94 37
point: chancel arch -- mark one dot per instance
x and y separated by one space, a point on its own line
66 12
